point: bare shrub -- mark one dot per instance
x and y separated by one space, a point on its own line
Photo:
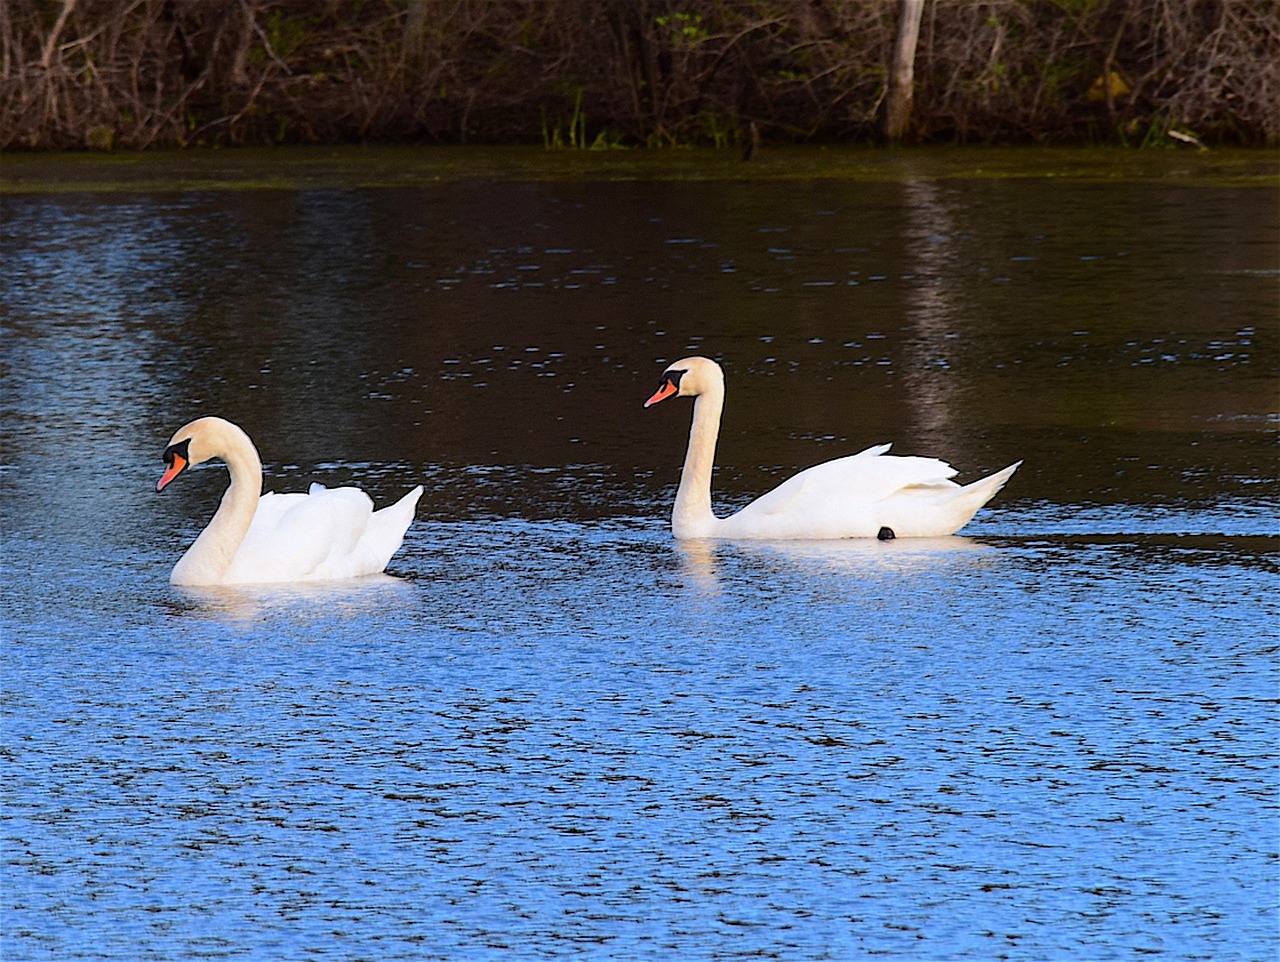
144 73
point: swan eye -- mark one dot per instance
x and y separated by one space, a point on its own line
667 387
176 459
178 450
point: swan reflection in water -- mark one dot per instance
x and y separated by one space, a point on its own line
702 559
370 597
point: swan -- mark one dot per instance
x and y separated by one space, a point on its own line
866 495
256 538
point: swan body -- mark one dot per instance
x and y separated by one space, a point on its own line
858 496
255 538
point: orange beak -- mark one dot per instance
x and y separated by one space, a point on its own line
665 391
171 472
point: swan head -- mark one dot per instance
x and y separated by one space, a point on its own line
688 377
197 442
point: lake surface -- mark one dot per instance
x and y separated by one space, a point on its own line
551 731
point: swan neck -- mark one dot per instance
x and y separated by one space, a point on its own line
210 557
692 516
240 501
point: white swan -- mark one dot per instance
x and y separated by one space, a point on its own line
256 538
865 495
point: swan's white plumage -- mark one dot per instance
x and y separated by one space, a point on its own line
850 497
325 534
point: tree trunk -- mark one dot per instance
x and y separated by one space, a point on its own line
897 115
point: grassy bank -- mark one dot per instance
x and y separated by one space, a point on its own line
347 167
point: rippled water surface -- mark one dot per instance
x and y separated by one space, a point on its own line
552 732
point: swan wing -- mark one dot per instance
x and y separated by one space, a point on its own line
304 537
865 478
384 534
849 497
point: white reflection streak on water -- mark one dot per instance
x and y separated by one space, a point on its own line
931 304
862 556
358 598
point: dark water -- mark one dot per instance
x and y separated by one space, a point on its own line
554 733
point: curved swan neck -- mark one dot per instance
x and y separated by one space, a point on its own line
241 498
208 559
692 516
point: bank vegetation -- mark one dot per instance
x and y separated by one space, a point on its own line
139 74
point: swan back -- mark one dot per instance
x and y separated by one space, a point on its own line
325 534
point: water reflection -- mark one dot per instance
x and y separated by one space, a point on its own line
497 325
867 554
299 604
862 557
936 310
698 563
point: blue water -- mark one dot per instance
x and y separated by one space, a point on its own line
552 732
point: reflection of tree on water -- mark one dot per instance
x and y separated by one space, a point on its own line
933 315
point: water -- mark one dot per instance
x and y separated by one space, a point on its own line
551 732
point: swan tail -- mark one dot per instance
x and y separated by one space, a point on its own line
874 451
387 528
939 509
973 496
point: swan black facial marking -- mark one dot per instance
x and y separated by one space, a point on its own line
673 378
178 449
